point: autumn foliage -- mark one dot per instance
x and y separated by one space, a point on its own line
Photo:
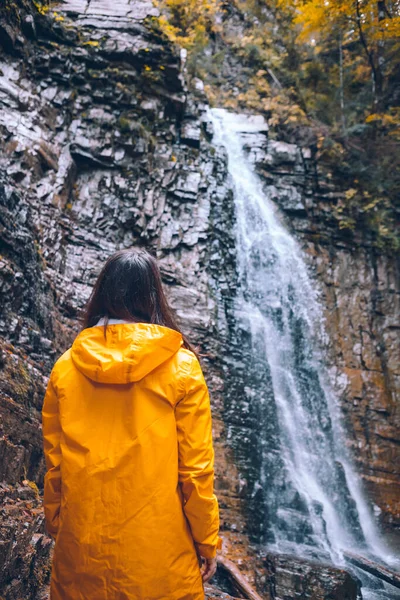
189 22
325 72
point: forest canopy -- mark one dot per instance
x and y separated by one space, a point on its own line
325 73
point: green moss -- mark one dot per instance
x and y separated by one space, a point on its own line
124 125
33 486
16 379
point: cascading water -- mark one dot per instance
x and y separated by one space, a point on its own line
312 504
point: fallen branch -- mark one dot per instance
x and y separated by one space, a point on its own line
373 568
240 582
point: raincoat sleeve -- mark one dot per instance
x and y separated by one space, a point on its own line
52 453
196 462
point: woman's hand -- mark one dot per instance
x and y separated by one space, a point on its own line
208 569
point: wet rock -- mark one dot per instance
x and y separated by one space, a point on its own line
8 37
254 134
84 157
29 27
190 133
281 153
187 185
65 178
289 198
291 578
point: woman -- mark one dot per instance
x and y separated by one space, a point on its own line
128 491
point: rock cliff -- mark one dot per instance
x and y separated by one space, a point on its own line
103 147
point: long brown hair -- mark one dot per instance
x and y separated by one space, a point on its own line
129 287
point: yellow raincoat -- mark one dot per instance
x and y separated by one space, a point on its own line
129 488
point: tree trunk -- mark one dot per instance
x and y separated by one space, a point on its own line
373 62
343 116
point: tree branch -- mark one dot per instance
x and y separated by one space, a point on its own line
239 581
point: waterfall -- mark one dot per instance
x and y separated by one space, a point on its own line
312 499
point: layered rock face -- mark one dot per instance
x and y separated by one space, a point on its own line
103 147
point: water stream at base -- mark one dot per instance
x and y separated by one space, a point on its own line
312 498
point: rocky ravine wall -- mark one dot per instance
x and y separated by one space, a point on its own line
103 147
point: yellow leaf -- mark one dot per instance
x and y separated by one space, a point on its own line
349 194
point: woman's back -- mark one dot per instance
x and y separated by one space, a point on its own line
129 490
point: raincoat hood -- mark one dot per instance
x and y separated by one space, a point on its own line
128 353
